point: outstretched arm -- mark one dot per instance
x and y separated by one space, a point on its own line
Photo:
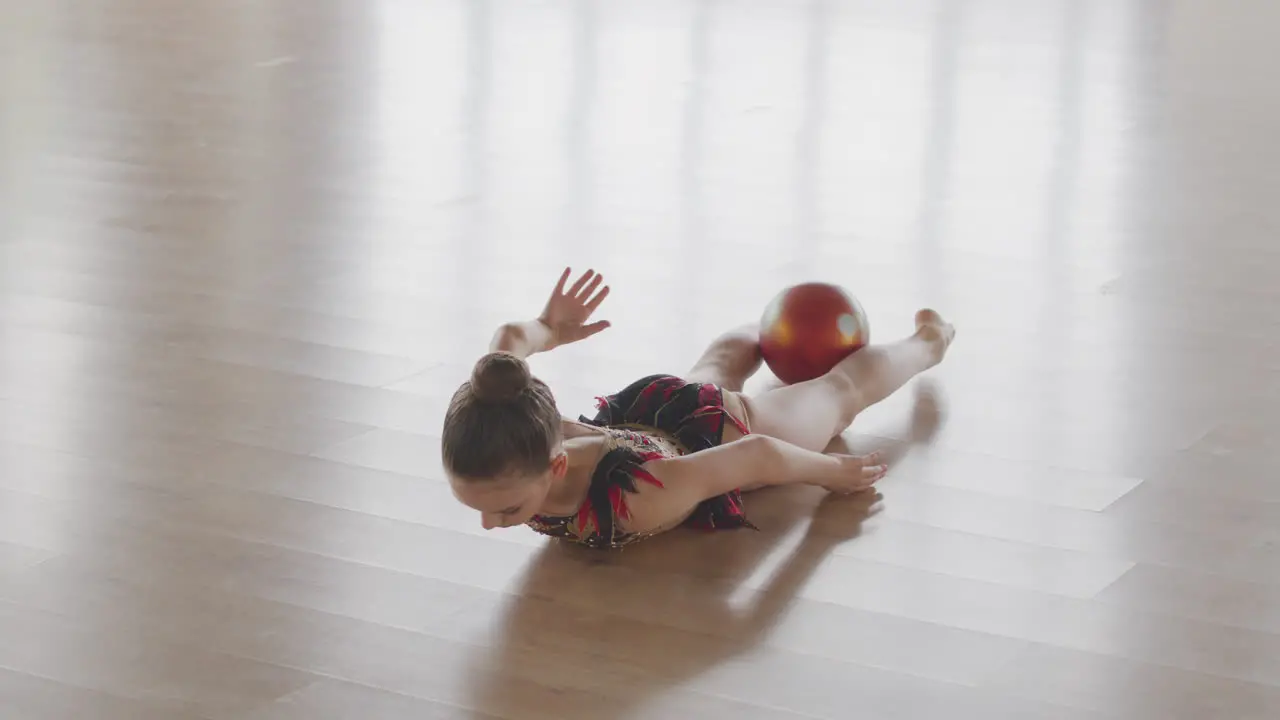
752 462
563 320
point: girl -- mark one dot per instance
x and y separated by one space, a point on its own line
665 451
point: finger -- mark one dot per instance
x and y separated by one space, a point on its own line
872 474
595 327
581 281
594 302
590 288
860 461
564 278
864 483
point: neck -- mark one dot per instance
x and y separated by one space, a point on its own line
568 494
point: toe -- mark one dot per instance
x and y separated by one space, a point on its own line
928 316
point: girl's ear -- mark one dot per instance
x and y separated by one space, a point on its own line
560 465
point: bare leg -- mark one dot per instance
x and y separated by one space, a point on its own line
810 414
730 359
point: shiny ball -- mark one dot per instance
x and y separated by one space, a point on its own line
807 329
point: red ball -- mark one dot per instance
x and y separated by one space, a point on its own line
807 329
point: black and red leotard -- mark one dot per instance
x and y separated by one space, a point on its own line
656 417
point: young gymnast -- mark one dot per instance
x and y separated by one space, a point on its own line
665 451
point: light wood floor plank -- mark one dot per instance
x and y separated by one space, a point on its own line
15 557
902 592
1131 689
1205 597
92 655
27 697
584 670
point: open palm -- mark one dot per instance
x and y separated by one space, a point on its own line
568 310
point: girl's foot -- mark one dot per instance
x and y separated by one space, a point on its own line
937 332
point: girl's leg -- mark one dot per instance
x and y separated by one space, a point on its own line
729 360
810 414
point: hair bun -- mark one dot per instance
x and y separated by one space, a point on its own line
500 377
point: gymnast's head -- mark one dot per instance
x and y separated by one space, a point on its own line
502 443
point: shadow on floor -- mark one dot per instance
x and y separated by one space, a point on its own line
616 634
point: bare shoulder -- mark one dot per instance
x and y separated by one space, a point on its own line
662 499
574 429
683 482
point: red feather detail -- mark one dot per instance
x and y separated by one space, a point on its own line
708 411
586 515
619 503
601 402
707 393
712 410
648 477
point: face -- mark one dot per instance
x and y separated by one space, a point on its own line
508 501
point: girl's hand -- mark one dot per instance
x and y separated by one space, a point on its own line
567 311
855 473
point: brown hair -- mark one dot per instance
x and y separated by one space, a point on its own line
502 421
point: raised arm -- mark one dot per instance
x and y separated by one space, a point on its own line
754 461
522 339
563 320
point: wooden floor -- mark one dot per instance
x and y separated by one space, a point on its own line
248 249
